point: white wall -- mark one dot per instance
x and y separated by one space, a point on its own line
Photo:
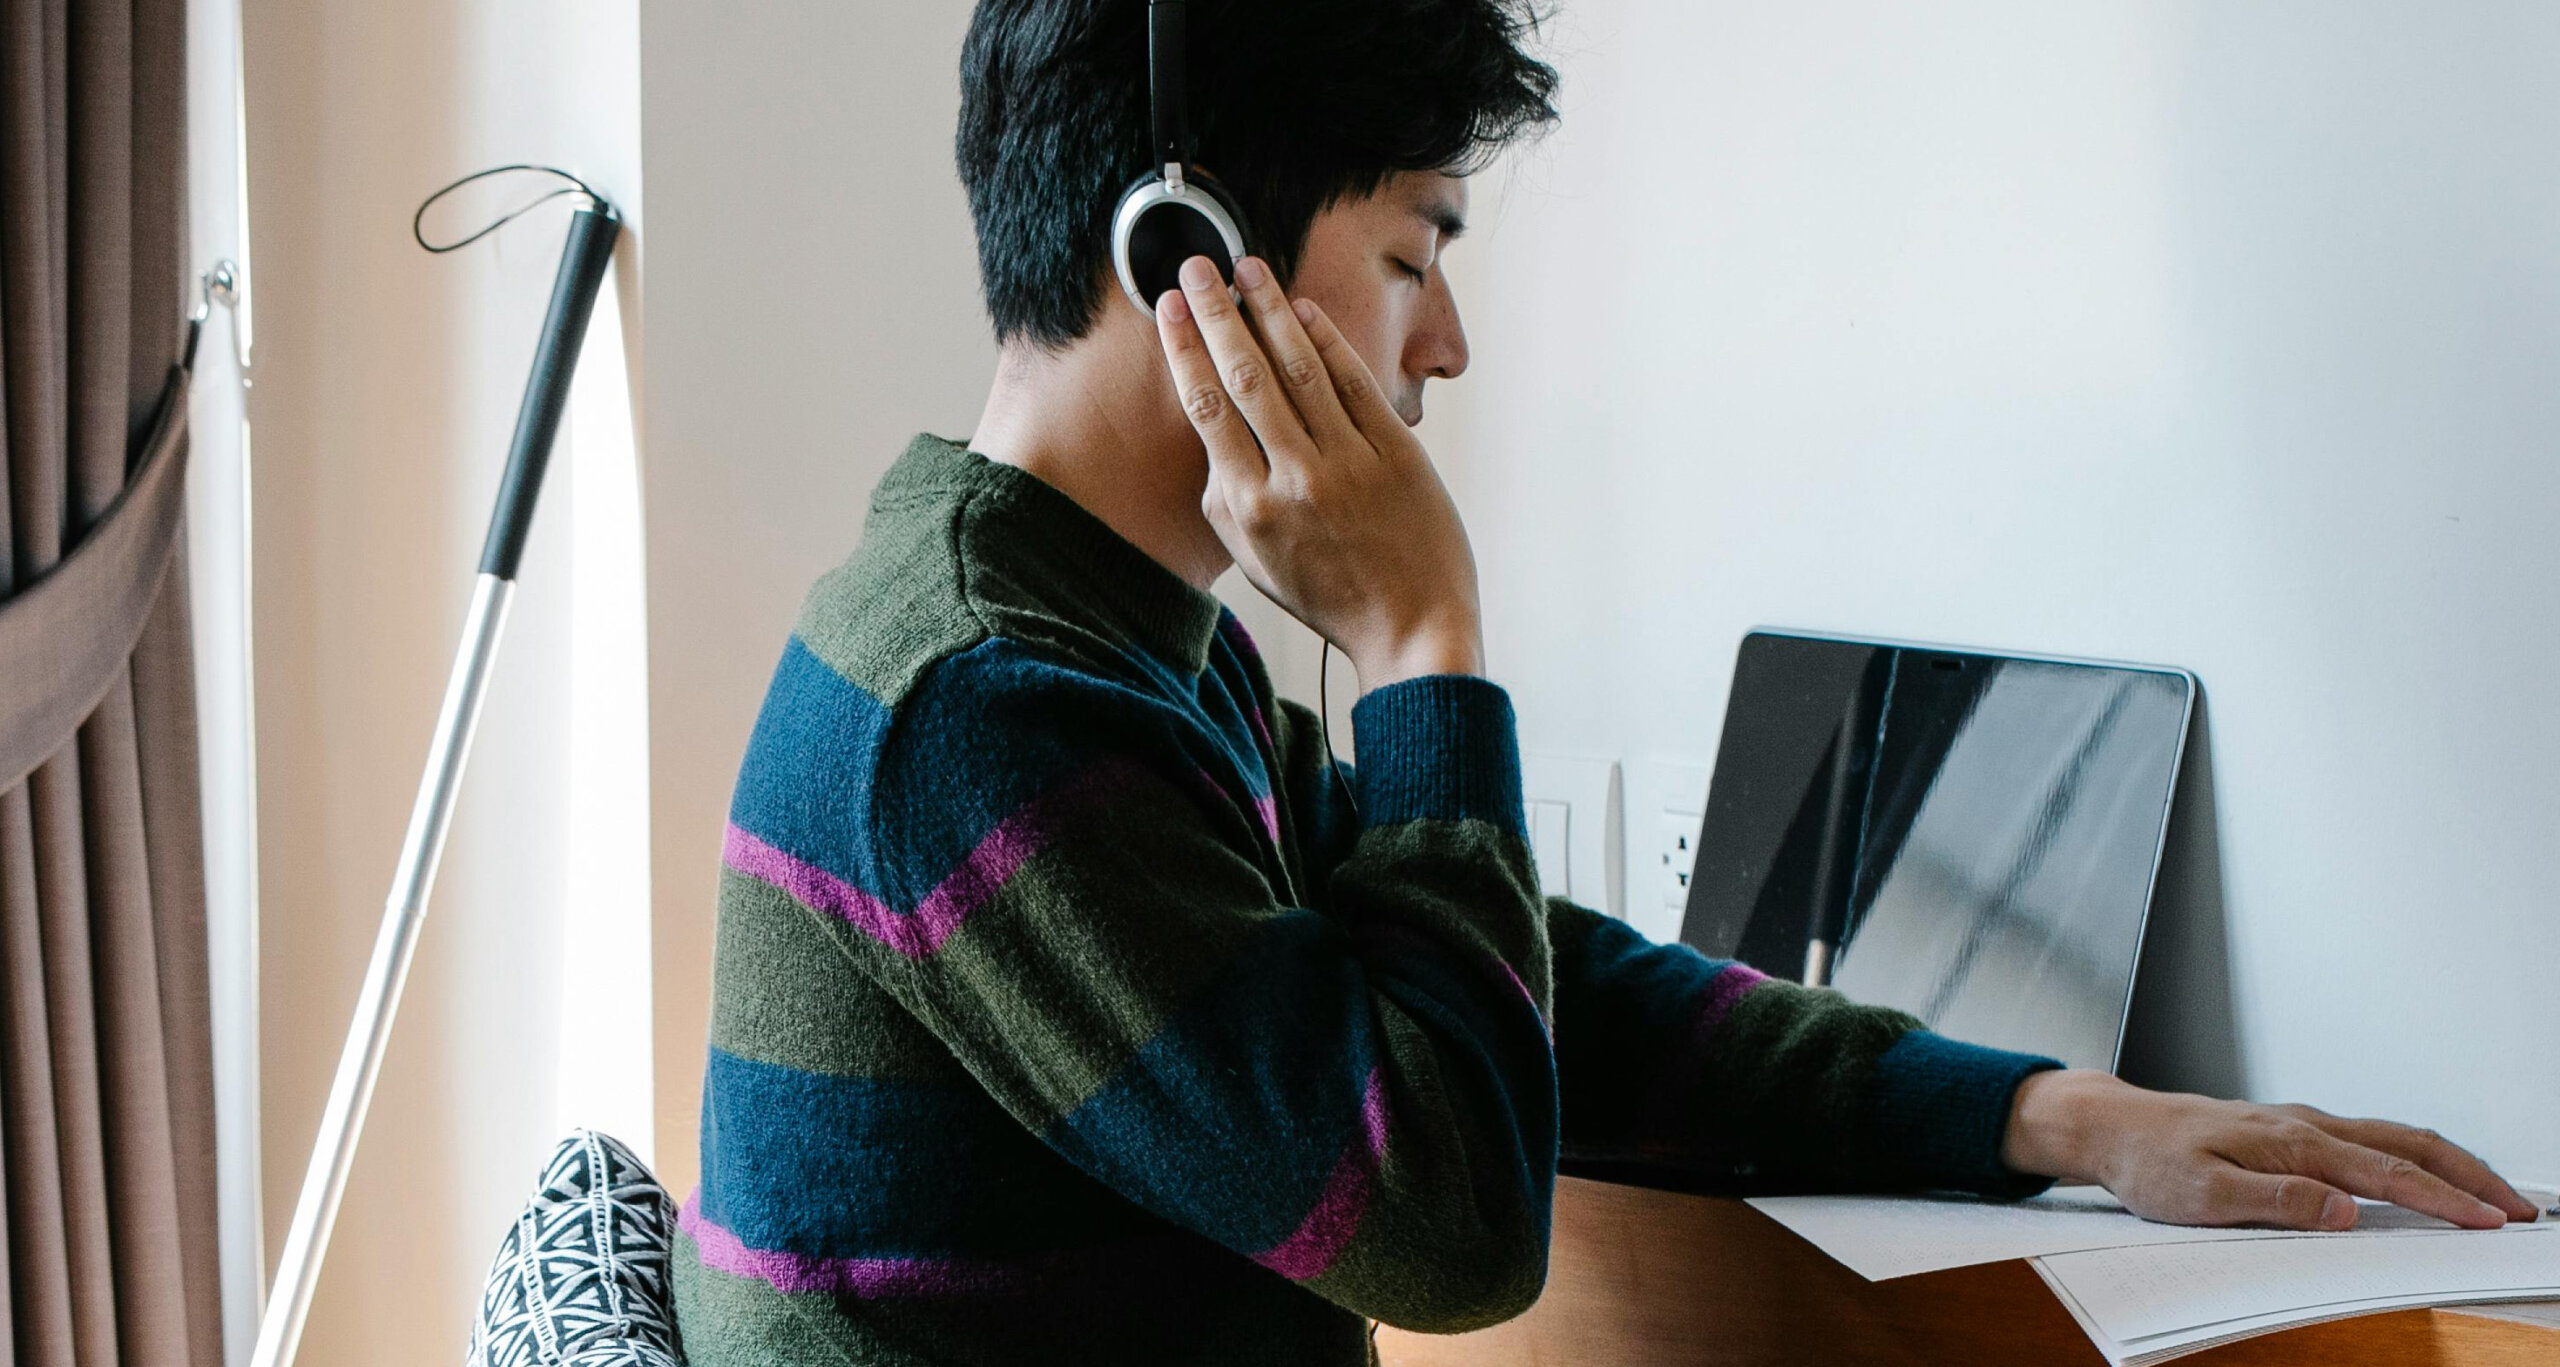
2216 335
387 388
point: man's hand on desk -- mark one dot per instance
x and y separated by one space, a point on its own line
2192 1160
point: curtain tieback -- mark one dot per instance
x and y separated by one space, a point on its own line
65 637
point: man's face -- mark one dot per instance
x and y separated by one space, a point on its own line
1373 265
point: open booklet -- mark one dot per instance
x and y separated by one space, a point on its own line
2147 1292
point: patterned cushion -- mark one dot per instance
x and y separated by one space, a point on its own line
581 1280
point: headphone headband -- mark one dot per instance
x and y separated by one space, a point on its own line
1166 98
1170 215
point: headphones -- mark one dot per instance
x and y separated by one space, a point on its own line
1173 213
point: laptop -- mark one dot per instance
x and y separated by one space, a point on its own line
1971 837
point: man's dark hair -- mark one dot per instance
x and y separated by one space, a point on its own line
1295 105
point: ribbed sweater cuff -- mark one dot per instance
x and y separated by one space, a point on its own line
1940 1109
1437 748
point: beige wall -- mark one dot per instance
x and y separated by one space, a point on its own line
387 382
812 299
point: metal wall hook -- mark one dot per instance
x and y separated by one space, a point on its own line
221 283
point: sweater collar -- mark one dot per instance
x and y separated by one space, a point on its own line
1029 548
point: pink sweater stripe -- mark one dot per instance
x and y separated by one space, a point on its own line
970 886
1329 1227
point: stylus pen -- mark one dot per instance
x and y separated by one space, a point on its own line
1844 812
1830 893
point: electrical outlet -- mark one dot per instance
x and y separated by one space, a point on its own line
1676 858
1665 794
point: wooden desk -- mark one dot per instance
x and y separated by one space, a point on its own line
1640 1278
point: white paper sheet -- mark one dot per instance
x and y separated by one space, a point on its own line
1882 1237
2138 1293
2145 1292
2543 1314
2163 1347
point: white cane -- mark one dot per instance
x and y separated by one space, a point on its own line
592 231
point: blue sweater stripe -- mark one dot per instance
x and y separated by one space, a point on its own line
845 1167
1222 1121
821 773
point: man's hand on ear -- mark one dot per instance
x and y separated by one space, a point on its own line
2192 1160
1325 498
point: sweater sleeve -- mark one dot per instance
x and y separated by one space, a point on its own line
1668 1056
1044 869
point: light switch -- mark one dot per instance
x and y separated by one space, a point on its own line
1551 844
1573 807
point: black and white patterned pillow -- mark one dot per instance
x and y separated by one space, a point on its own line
582 1279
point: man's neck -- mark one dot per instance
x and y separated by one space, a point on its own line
1098 421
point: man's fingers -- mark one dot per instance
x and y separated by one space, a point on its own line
2436 1154
2237 1196
1361 397
1246 372
1302 369
1234 458
2389 1177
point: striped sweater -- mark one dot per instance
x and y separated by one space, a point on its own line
1064 1011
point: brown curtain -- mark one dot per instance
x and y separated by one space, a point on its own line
106 1095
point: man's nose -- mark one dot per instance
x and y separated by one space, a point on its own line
1440 347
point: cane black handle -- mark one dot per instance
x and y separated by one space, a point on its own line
583 259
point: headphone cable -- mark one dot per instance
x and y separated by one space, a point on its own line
1324 724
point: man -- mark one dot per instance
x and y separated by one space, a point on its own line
1070 1004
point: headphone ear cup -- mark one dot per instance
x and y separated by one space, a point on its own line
1158 227
1166 234
1198 179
